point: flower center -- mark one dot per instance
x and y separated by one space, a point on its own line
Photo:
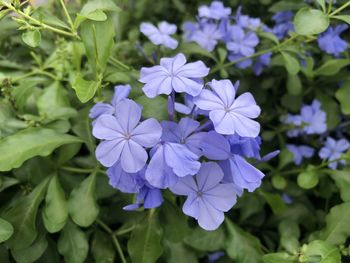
199 193
127 136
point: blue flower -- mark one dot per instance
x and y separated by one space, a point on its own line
216 11
124 138
299 152
262 61
230 115
313 118
207 198
283 25
160 35
207 36
295 121
330 41
333 150
242 43
173 74
237 170
245 146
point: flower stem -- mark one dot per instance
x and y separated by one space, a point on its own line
120 64
76 170
69 19
340 9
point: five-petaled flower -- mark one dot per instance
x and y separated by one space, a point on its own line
160 35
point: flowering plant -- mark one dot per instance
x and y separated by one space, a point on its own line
202 131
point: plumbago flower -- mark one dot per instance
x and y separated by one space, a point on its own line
332 151
213 123
299 152
160 35
330 41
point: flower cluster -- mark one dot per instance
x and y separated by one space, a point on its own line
202 156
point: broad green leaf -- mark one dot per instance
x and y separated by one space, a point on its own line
175 251
289 235
343 96
7 182
43 15
203 240
285 158
97 37
22 216
154 108
82 205
321 252
82 128
269 36
33 252
322 3
29 143
342 180
294 85
55 212
73 244
275 201
67 152
331 107
6 230
308 179
332 67
279 258
344 18
103 5
242 246
32 38
102 248
337 225
96 15
291 63
144 245
310 21
85 89
286 5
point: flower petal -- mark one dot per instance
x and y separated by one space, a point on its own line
147 133
207 100
129 114
121 180
133 157
209 218
245 105
106 127
108 152
225 91
185 186
222 197
215 146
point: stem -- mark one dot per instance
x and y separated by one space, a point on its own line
257 54
121 64
37 22
70 22
76 170
35 72
340 9
124 231
114 239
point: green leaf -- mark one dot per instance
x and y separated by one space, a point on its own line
154 108
7 182
294 85
308 179
343 96
332 67
193 48
175 251
310 21
144 245
291 63
6 230
322 3
103 5
32 38
321 252
337 225
331 107
102 248
344 18
85 89
342 180
285 158
55 212
203 240
269 36
33 252
22 216
82 205
82 128
279 258
286 5
290 233
29 143
275 201
73 244
242 246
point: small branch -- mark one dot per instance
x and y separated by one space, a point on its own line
340 9
69 19
76 170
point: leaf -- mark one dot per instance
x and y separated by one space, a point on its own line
343 96
275 201
310 21
308 179
82 205
242 246
342 180
33 252
103 5
337 225
144 245
55 212
193 48
96 15
22 216
85 89
290 233
6 230
332 67
175 251
29 143
32 38
73 244
279 258
294 85
322 3
286 5
291 63
321 252
7 182
154 108
331 107
344 18
82 128
102 248
203 240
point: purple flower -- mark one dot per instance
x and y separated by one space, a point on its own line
243 64
247 22
237 170
160 35
242 43
299 152
207 36
189 28
216 11
189 107
313 118
173 74
284 24
230 115
245 146
262 61
333 150
295 121
123 181
184 133
207 198
120 92
330 41
124 138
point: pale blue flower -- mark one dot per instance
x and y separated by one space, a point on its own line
160 35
